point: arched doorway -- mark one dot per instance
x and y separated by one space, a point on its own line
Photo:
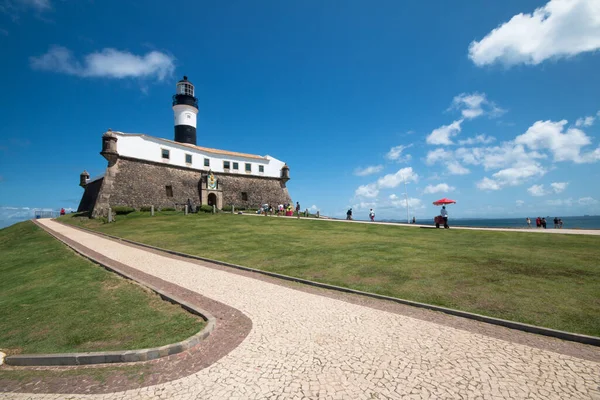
212 199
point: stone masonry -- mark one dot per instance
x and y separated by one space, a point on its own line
137 183
258 191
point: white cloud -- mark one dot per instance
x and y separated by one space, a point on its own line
585 122
369 191
392 180
395 154
587 201
519 203
313 209
442 135
393 197
537 190
565 146
368 170
14 8
413 203
488 184
508 153
438 155
363 205
446 157
518 174
108 63
471 105
474 105
560 29
39 5
439 188
559 187
455 168
479 139
560 202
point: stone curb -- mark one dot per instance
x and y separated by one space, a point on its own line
118 356
573 337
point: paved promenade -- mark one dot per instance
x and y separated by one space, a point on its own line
592 232
304 345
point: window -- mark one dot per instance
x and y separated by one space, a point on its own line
236 166
244 196
206 162
225 164
169 190
185 88
261 168
188 158
165 154
248 167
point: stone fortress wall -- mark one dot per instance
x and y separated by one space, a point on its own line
137 183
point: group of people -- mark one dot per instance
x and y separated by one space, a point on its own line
371 215
541 222
282 209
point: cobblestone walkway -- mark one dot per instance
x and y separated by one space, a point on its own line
308 346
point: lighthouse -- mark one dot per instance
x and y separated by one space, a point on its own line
185 109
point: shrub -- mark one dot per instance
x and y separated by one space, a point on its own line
226 208
168 209
145 208
206 208
122 210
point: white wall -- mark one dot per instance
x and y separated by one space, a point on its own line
185 115
149 148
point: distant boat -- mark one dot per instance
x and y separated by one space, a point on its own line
585 215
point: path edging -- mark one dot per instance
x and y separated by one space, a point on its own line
118 356
570 336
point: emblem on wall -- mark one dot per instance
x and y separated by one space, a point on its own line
212 182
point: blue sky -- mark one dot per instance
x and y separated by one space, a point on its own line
493 104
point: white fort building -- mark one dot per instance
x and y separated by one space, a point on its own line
145 170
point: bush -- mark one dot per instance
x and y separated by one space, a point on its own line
226 208
145 208
168 209
205 208
122 210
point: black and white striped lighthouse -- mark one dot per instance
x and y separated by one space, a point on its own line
185 108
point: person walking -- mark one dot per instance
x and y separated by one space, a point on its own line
544 222
349 214
528 222
372 215
444 214
538 222
298 209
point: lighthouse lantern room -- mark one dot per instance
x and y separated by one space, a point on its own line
185 109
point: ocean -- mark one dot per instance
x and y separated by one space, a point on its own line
581 222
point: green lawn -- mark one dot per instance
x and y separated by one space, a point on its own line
54 301
551 280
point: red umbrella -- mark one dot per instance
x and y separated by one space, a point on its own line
443 201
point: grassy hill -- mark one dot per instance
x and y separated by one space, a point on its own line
541 279
54 301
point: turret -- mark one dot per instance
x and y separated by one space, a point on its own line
185 109
285 173
109 147
84 177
